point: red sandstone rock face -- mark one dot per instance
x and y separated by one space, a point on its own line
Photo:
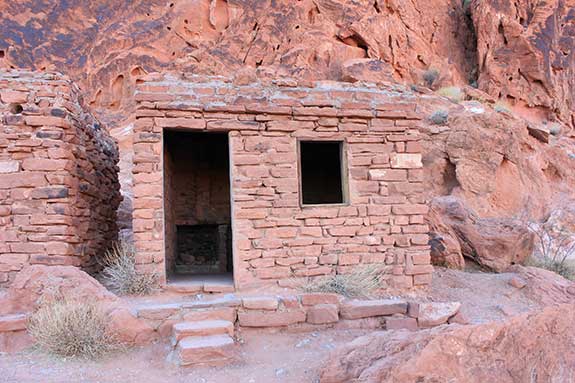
106 45
530 348
526 52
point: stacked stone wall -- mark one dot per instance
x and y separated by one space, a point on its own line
275 237
59 187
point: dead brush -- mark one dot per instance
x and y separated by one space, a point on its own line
361 282
556 247
72 329
120 275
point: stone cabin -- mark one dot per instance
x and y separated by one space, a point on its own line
265 183
59 188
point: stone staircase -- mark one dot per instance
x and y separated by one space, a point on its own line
203 342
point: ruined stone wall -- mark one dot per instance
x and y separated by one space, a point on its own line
275 237
59 187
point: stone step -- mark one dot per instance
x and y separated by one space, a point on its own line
201 328
205 350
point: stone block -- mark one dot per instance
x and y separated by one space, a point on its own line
406 161
271 319
400 323
355 309
312 299
323 314
260 303
15 322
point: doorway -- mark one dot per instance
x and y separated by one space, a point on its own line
197 209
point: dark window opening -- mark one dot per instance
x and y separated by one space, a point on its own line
321 172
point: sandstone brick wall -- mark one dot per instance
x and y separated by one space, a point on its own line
275 238
59 187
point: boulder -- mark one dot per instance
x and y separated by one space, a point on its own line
445 248
537 347
38 284
494 243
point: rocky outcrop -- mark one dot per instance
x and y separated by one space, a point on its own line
538 347
490 163
545 287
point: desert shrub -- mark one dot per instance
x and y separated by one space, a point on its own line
555 129
555 247
72 329
119 272
502 107
361 282
439 117
429 77
453 93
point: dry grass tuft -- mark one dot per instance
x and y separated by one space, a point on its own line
120 275
72 329
502 107
361 282
429 77
453 93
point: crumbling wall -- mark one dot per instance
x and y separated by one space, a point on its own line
59 187
275 237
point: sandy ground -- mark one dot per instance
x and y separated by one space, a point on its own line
268 356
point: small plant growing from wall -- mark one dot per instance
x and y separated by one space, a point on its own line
120 274
429 77
72 329
502 107
439 117
555 129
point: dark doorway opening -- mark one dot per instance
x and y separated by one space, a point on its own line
198 236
